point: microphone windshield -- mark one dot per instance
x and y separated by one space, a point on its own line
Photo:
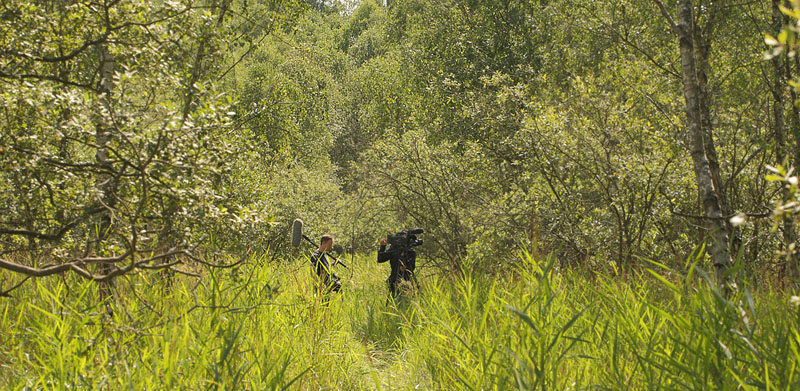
297 232
415 231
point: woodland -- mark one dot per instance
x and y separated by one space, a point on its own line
607 191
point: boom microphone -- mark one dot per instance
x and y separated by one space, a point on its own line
415 231
298 236
297 232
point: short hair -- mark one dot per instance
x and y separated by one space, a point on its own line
325 239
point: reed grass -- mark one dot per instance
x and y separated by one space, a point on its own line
261 327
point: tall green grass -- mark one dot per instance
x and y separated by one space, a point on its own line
261 327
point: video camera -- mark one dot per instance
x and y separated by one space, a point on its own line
404 240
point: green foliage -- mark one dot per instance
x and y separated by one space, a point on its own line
116 132
201 130
353 31
575 131
425 186
283 169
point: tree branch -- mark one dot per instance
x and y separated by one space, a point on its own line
44 78
63 58
61 268
749 214
6 293
53 236
667 16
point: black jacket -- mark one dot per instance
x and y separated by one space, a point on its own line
319 261
396 259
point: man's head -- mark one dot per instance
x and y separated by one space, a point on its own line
326 242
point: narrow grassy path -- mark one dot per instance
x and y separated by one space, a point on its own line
376 325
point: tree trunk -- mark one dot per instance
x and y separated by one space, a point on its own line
106 181
795 111
794 153
702 48
692 92
779 88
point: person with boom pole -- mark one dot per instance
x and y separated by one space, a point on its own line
329 282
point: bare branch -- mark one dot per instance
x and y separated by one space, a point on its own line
667 16
53 236
61 268
749 214
66 57
44 78
6 293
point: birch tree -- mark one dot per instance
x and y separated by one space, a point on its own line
693 77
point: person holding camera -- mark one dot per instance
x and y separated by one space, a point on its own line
319 261
402 261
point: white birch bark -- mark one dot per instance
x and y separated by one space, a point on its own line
718 236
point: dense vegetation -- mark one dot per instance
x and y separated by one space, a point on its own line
537 328
578 166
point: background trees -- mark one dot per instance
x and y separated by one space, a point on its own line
116 134
571 118
185 136
584 129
